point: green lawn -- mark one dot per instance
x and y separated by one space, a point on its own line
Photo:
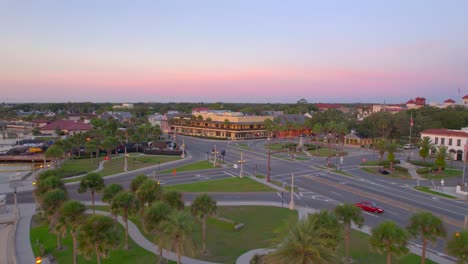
325 153
116 165
243 145
428 190
80 165
222 185
201 165
393 173
360 252
447 173
41 235
225 244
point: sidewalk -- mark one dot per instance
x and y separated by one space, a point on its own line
24 251
412 170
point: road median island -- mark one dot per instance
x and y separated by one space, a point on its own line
382 199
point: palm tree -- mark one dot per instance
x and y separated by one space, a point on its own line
381 147
329 226
147 193
52 200
390 238
55 152
303 243
125 203
391 148
59 228
425 145
92 182
137 181
202 207
440 157
176 234
153 218
91 146
174 199
97 236
458 246
427 226
347 214
317 128
109 194
72 215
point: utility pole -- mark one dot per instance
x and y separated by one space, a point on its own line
291 203
241 162
268 169
214 156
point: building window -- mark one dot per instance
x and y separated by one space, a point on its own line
458 142
450 142
442 141
436 141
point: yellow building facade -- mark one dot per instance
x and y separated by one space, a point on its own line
229 125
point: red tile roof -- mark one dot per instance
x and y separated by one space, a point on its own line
465 97
449 101
40 121
328 106
445 132
411 102
69 125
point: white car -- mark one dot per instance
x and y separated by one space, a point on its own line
409 146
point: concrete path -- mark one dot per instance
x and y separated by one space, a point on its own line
25 254
412 170
24 251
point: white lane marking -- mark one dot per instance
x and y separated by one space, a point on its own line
279 195
336 193
230 174
388 211
374 215
297 196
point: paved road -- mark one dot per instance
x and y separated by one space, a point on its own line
315 190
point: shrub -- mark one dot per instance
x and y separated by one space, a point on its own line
399 168
421 163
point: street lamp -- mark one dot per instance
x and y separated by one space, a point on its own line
214 155
241 162
291 202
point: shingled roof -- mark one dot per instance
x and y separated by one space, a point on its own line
445 132
69 125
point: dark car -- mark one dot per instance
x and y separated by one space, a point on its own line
370 207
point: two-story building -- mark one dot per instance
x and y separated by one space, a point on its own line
454 140
219 124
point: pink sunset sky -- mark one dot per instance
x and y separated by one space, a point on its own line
238 52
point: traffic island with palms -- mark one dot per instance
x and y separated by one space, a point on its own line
198 231
205 230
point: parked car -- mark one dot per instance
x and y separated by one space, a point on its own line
409 146
370 207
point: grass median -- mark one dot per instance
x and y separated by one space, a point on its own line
428 190
222 185
41 237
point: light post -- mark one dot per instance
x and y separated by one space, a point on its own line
241 162
291 202
214 155
125 153
336 161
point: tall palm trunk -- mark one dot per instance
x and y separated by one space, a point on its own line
161 255
74 247
204 234
126 231
98 259
389 253
179 251
59 241
347 234
92 197
423 253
